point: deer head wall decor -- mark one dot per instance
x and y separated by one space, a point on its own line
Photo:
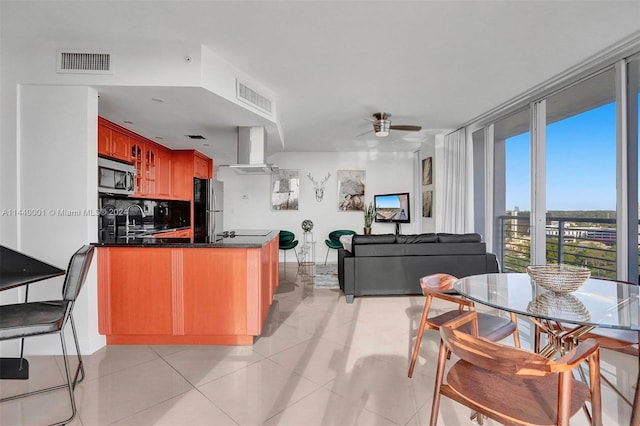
319 187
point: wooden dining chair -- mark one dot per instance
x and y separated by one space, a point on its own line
511 385
440 286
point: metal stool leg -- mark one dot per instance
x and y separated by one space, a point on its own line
70 385
80 368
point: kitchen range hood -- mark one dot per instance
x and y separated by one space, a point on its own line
252 144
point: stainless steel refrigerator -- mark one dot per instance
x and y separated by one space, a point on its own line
208 209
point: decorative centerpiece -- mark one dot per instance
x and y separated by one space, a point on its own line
559 278
553 305
369 216
307 225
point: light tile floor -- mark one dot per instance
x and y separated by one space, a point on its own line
319 361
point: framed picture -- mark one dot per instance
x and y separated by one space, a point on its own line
285 190
427 203
426 171
351 185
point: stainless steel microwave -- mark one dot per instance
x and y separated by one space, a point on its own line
115 177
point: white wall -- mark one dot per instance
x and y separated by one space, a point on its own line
56 195
247 198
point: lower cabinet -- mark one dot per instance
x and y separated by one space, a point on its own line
136 288
185 295
215 309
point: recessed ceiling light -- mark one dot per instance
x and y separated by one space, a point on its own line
205 144
158 137
157 100
127 122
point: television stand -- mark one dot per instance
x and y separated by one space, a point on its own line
397 228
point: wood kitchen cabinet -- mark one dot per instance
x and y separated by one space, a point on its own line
113 144
215 309
185 295
188 164
163 173
153 170
137 156
150 158
160 172
201 166
137 287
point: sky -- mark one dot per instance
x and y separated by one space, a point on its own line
581 163
389 201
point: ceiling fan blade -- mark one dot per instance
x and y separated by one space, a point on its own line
365 133
405 128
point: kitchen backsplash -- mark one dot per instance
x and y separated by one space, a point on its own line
159 215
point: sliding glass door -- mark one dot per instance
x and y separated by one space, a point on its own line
511 191
580 175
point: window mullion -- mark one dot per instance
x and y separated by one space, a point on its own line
538 219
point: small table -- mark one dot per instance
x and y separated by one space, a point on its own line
308 249
598 303
17 269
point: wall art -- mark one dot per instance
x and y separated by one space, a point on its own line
285 190
426 171
427 203
351 185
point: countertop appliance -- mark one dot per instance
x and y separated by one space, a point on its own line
115 177
208 209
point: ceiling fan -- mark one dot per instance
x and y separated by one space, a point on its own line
382 125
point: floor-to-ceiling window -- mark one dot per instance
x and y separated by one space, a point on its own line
511 190
580 175
565 174
633 130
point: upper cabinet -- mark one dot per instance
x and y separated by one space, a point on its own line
150 154
202 166
159 172
189 164
163 161
113 144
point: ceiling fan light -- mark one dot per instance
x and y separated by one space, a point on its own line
381 128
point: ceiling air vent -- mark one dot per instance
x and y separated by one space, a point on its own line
84 63
253 98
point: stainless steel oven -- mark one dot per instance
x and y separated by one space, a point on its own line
115 177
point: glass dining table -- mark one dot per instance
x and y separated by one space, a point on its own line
564 317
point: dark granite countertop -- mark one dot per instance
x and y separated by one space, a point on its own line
244 238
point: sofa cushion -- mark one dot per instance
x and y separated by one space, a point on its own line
418 238
374 239
459 238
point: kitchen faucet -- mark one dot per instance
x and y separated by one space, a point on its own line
126 223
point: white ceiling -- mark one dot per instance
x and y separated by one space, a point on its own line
437 64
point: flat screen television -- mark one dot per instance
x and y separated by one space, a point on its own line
392 208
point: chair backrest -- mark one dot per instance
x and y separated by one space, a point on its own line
286 237
335 235
437 283
77 272
490 355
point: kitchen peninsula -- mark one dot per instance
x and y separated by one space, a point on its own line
179 291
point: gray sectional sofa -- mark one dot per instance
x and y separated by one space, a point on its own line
393 264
